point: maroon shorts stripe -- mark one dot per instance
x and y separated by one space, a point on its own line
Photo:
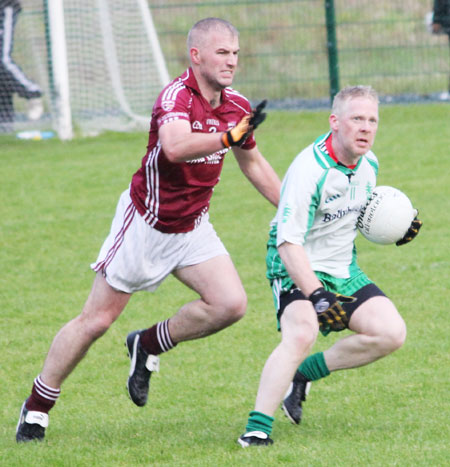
128 218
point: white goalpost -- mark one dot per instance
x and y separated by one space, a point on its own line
107 66
61 94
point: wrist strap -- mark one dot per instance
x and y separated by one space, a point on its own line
226 140
315 291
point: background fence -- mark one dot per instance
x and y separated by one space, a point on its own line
284 50
284 53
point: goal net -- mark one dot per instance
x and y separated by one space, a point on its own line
98 62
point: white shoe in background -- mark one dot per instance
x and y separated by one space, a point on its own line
35 108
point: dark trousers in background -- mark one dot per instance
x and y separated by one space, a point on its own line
12 78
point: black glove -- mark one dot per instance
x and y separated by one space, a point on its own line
329 310
258 115
411 233
237 135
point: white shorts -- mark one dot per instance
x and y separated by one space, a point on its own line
137 257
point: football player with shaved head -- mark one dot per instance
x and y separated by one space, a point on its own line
162 226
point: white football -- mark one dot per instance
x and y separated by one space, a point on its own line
387 216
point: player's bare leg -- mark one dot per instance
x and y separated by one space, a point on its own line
69 346
222 302
72 342
299 328
222 299
380 330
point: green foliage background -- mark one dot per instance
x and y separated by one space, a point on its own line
58 200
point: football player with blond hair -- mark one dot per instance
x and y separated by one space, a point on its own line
312 267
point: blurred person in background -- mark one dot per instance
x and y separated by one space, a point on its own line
12 78
441 25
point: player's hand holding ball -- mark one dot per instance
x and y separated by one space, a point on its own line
237 135
412 232
328 307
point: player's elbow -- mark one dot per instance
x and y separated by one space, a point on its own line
173 153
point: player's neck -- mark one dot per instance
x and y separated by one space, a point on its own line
339 154
215 101
211 94
349 160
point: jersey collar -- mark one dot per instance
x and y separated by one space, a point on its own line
189 80
329 147
325 156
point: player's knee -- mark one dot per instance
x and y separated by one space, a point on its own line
304 337
228 309
308 335
98 327
235 307
390 340
96 324
395 338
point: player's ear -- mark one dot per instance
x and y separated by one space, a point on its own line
333 122
195 55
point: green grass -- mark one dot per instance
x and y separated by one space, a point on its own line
58 200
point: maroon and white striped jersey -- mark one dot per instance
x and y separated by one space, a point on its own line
173 197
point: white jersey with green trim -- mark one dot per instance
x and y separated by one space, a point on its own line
321 200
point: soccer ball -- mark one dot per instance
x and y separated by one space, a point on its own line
387 216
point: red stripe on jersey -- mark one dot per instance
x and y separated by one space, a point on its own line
329 146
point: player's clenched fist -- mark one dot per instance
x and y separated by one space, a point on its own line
329 309
237 135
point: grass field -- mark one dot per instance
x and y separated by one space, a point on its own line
58 200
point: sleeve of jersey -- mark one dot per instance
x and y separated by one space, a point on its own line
250 142
172 104
298 204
